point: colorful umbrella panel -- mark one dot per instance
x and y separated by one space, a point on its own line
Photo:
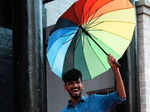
87 32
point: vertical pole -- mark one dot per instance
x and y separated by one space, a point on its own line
130 74
133 74
29 56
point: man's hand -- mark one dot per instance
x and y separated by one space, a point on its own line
119 83
112 61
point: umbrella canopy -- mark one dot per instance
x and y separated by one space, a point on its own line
87 32
56 8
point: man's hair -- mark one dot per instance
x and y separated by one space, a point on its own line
71 75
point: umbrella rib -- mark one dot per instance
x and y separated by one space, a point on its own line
106 45
66 35
95 52
88 15
84 56
93 21
69 39
108 12
111 21
75 15
77 41
94 15
95 24
83 10
96 10
111 33
93 40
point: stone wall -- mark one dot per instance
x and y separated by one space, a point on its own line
143 25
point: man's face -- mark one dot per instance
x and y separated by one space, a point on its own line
74 88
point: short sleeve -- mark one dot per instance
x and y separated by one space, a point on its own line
108 101
64 110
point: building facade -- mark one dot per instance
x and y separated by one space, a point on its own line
143 34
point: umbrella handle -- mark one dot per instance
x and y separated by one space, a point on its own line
118 64
112 60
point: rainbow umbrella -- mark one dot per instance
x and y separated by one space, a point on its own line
87 32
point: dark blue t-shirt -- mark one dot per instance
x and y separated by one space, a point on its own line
95 103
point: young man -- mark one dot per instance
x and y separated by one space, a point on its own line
93 103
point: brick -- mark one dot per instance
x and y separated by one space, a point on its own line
143 18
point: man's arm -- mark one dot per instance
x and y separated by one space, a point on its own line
119 83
